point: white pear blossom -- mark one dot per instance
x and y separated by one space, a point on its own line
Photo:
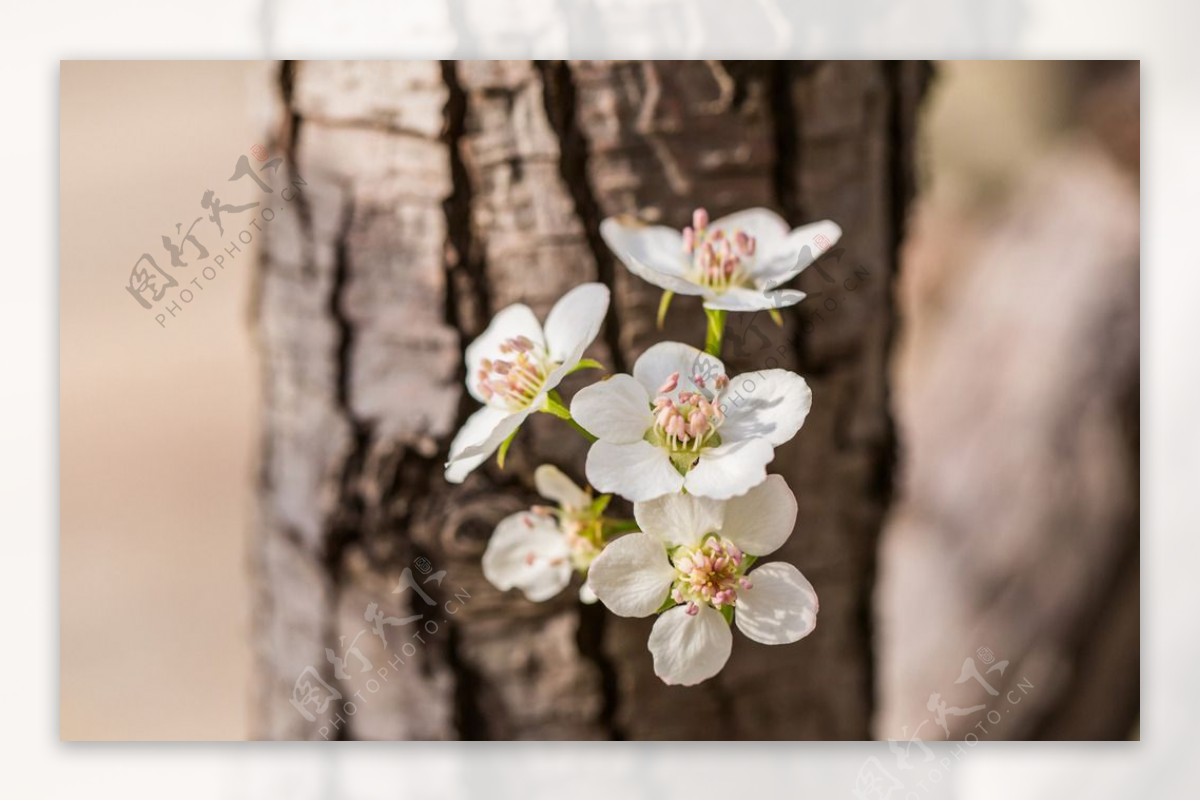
691 562
515 363
537 551
736 263
680 423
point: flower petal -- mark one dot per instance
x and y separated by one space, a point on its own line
780 606
653 253
741 299
574 322
479 429
660 361
730 469
761 521
587 595
530 552
511 321
510 423
637 471
615 409
768 228
632 575
771 404
679 519
554 484
687 648
803 246
458 470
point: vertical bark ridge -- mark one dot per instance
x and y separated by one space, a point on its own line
573 164
466 306
559 97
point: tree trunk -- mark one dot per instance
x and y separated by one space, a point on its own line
432 195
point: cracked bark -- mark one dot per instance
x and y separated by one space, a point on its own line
438 193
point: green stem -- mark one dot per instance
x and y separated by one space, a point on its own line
554 405
586 434
715 331
618 526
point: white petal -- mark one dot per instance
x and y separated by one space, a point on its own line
653 253
476 431
770 403
529 552
687 648
511 321
587 595
760 521
780 606
508 424
767 227
740 299
659 362
632 575
458 470
637 471
679 519
575 321
553 483
803 246
730 469
615 409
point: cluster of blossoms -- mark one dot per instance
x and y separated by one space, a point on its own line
684 441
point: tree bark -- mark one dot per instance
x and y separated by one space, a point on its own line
434 195
1015 537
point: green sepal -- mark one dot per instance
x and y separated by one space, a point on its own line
601 503
586 364
727 613
667 605
663 305
502 451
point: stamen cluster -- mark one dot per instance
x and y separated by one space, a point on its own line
710 573
518 379
719 260
689 421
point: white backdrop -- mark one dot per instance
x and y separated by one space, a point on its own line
37 35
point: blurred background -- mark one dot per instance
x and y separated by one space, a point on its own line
1015 396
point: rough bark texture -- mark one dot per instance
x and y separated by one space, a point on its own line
434 195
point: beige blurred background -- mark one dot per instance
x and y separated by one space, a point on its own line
158 425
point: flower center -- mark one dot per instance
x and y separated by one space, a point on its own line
710 573
720 260
517 379
687 422
585 539
583 531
